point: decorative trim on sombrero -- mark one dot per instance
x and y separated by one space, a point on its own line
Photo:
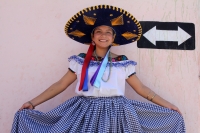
77 33
129 35
117 21
89 20
80 61
115 44
127 28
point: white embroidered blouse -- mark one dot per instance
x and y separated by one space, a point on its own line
115 86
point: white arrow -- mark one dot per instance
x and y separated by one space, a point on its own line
154 35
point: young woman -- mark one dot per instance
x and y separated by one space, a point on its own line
100 105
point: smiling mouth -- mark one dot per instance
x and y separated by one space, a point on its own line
102 40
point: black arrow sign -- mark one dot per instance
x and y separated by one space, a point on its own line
167 35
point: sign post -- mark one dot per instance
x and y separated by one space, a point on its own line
167 35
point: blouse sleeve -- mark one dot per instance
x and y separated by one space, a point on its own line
130 70
73 65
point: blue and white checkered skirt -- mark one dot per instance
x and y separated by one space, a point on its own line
100 115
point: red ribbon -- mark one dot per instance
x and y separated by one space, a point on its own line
85 65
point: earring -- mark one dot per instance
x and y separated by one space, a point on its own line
93 43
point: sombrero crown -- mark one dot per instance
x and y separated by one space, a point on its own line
81 25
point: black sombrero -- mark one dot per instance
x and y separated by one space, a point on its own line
81 25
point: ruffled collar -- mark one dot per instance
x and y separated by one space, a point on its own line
120 62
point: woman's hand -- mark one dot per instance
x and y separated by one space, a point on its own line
26 105
173 107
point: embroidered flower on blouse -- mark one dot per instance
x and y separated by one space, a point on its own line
113 60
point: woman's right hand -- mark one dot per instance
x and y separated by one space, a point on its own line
26 105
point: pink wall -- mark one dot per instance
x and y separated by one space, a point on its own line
34 53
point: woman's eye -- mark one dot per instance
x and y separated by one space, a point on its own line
108 33
98 31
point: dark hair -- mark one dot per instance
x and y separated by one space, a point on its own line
113 31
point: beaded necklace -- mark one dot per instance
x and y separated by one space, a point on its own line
110 60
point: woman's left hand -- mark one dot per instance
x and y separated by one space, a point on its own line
173 107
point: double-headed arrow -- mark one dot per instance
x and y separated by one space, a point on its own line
154 35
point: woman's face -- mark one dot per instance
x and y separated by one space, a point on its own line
103 36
